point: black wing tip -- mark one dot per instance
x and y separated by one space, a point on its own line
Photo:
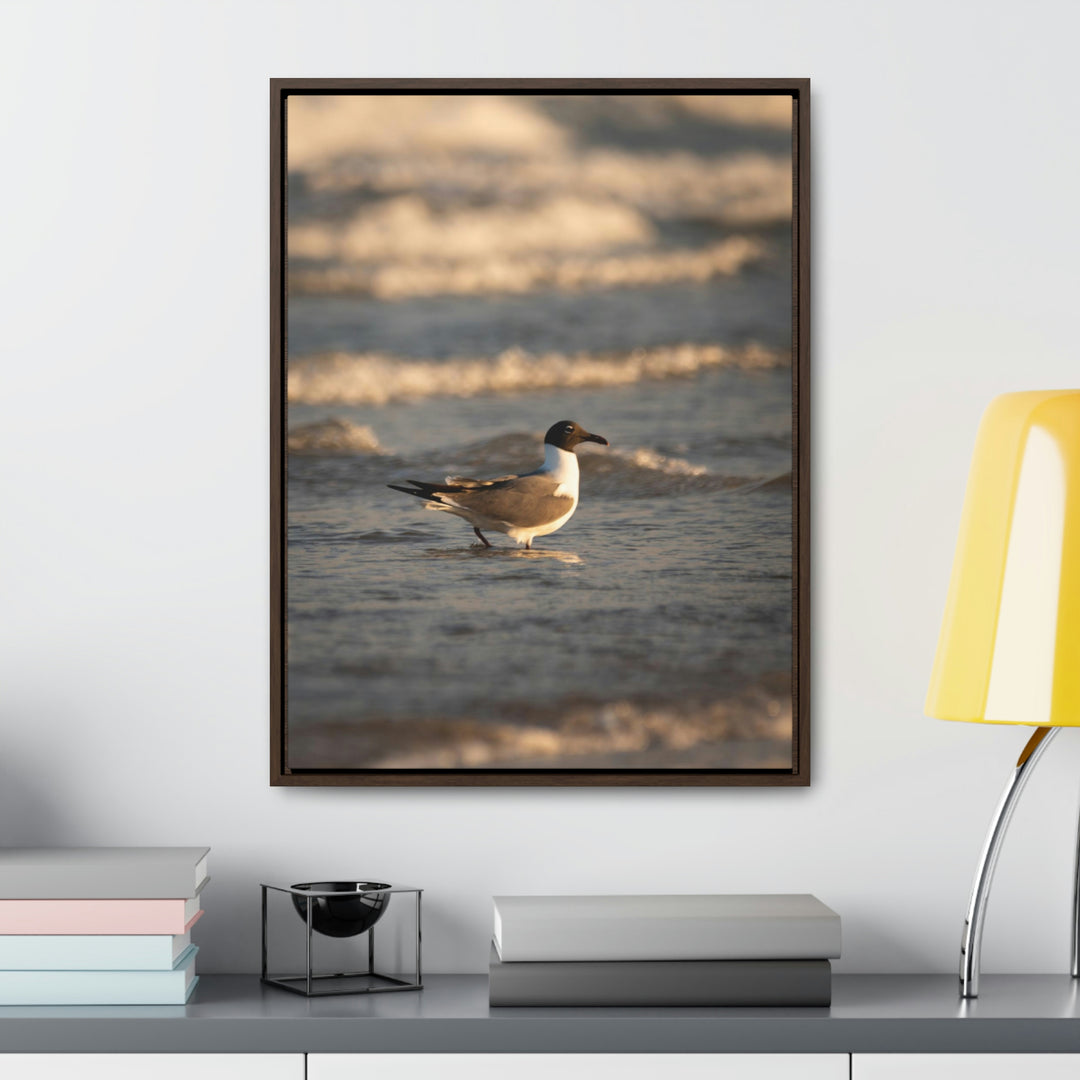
409 491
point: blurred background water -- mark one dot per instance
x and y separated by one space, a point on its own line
464 272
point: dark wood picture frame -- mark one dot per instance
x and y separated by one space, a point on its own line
281 774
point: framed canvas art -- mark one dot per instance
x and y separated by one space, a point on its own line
540 432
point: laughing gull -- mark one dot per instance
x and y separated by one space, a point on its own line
523 507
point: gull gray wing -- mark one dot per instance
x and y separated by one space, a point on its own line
456 483
525 501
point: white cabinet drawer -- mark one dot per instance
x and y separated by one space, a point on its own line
965 1066
579 1066
152 1066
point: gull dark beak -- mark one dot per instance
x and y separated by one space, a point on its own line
597 438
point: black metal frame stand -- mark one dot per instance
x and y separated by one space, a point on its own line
342 982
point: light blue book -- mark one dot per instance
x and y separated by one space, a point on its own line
169 987
91 952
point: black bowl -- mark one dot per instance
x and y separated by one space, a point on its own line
342 916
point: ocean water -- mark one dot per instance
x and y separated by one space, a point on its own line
449 301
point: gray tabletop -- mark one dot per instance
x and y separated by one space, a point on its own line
870 1014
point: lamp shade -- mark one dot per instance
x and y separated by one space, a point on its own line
1009 650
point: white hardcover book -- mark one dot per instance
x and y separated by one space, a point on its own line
91 952
117 873
786 926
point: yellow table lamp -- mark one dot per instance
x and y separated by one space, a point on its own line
1009 650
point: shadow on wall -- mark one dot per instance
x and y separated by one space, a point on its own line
443 927
30 815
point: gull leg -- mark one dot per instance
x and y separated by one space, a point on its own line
483 539
528 544
971 946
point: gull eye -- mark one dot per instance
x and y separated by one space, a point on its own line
569 428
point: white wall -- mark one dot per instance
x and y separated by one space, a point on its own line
133 455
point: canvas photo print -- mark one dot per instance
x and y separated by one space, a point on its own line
539 502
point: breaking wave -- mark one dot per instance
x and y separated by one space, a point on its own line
408 196
333 436
644 458
639 472
748 188
612 468
323 129
407 228
485 275
326 129
376 378
749 730
645 474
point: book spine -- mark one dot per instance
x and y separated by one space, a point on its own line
89 952
748 983
155 876
176 991
92 917
569 939
170 987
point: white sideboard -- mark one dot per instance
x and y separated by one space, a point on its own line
879 1026
965 1066
540 1066
580 1066
152 1066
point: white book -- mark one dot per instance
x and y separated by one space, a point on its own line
116 873
785 926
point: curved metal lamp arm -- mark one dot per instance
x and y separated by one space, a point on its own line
1076 913
971 946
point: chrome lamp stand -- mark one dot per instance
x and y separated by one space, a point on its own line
971 945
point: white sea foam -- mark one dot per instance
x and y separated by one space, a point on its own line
645 473
529 273
324 128
737 189
407 228
376 378
653 460
416 196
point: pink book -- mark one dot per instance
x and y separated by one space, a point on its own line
98 916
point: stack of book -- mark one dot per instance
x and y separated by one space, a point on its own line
663 950
99 926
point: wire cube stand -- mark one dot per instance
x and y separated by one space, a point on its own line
309 984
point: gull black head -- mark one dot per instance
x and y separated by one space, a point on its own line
566 434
